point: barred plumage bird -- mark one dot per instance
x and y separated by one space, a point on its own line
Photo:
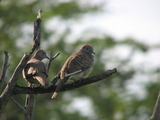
35 71
82 60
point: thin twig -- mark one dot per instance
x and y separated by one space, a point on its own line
156 111
39 13
4 68
51 58
37 32
18 104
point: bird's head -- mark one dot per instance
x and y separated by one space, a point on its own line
40 55
87 49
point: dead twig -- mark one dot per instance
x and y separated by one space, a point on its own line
156 111
4 68
51 58
37 32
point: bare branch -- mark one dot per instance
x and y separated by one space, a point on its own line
76 84
51 58
39 13
29 106
37 32
4 68
156 111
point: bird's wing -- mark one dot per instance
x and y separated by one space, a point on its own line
38 71
77 61
65 66
29 70
42 79
80 62
41 73
32 71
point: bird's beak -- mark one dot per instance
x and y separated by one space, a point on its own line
93 53
47 57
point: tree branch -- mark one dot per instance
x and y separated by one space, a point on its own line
29 106
156 111
51 58
76 84
4 68
37 32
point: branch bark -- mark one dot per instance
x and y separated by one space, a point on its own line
156 111
76 84
29 106
37 32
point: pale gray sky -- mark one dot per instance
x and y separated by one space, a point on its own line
139 19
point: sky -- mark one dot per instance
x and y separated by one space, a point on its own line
137 19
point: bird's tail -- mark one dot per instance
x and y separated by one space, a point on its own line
42 80
59 86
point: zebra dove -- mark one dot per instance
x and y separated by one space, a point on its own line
35 71
82 60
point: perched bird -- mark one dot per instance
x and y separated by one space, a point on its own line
82 60
35 71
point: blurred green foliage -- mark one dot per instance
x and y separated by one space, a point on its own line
110 98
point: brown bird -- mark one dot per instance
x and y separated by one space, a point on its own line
35 71
82 60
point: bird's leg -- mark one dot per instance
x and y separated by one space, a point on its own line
30 85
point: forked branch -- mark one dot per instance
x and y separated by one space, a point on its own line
51 58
